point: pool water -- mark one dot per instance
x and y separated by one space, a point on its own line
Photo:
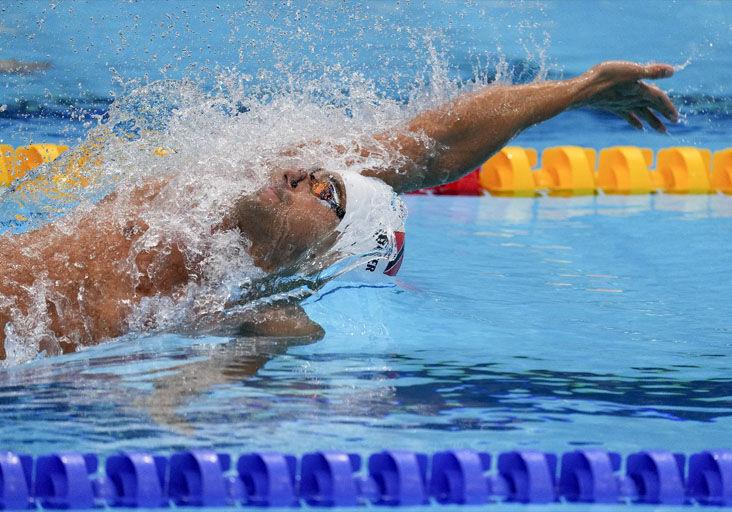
547 323
542 323
95 47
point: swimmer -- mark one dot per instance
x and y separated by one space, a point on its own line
87 294
17 67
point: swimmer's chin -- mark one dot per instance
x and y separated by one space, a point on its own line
284 320
308 331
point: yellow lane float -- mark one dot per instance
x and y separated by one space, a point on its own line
509 173
685 170
48 152
627 170
722 171
568 171
574 171
16 162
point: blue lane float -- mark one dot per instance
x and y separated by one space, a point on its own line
134 480
203 478
15 476
65 480
269 479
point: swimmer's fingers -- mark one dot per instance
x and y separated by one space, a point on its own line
652 119
653 71
659 101
622 71
632 120
652 98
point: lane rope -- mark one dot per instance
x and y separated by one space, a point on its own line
394 478
575 171
513 171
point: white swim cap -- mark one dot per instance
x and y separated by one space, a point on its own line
372 229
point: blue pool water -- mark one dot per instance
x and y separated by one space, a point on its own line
534 323
545 323
94 45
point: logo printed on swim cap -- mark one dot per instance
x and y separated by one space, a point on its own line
381 241
394 265
373 225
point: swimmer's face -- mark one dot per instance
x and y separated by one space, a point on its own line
296 211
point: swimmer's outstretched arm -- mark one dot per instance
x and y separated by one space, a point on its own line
443 144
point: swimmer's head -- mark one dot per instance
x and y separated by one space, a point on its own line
317 213
296 212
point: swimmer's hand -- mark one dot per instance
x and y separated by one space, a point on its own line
617 88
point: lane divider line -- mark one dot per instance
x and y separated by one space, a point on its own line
514 171
207 478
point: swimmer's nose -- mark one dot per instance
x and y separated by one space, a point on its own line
294 178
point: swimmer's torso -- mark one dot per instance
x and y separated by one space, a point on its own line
68 289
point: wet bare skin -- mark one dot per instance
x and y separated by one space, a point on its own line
92 294
282 220
290 220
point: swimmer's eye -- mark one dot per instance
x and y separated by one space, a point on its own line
326 191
